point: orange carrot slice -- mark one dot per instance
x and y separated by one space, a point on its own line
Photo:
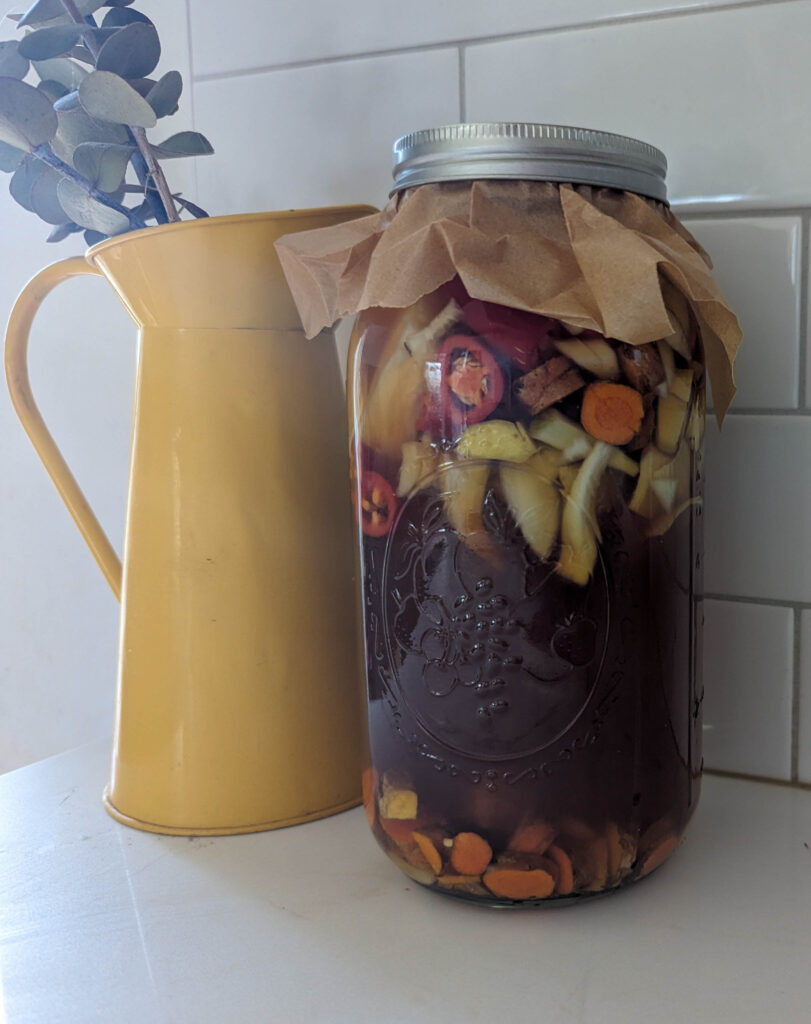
611 412
565 883
658 855
470 854
532 838
514 884
429 851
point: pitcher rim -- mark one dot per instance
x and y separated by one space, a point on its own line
228 218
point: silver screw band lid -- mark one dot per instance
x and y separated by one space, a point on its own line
536 152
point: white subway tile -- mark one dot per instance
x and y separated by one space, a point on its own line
804 735
757 264
288 30
718 91
758 507
748 672
317 135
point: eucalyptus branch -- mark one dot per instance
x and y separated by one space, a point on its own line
87 33
139 134
47 156
155 172
150 191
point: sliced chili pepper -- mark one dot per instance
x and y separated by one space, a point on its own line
471 381
375 504
516 335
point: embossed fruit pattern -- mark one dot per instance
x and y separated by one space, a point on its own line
528 497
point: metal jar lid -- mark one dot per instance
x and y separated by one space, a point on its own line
539 152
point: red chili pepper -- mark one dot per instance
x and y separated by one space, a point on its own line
516 335
471 381
375 504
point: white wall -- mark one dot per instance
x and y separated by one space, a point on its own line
302 102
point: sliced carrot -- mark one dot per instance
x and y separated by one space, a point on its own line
429 851
532 838
398 830
658 855
565 882
611 412
368 782
513 884
470 854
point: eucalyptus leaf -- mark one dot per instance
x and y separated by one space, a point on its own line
89 212
164 95
193 209
61 69
63 231
118 3
109 98
120 16
22 180
53 90
103 165
12 62
10 157
69 101
27 119
43 196
45 43
143 86
94 237
49 10
76 127
132 52
183 144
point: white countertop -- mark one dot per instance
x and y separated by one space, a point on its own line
100 923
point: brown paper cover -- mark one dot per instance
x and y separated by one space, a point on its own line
590 257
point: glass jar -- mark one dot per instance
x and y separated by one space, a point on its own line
528 499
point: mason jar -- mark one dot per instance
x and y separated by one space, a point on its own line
528 497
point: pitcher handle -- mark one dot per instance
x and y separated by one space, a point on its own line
19 327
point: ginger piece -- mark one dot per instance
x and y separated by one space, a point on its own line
578 551
464 491
470 854
594 355
400 804
548 383
611 412
500 440
389 415
534 837
534 501
621 853
514 884
419 461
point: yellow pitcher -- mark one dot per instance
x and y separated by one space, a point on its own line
239 702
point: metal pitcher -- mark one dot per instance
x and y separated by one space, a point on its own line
239 702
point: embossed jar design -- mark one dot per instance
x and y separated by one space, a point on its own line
526 389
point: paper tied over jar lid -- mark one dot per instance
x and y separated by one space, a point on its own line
593 258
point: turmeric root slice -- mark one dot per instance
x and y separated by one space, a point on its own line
514 884
470 854
611 412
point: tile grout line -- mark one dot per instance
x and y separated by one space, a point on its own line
802 285
462 86
726 211
770 602
794 764
190 45
607 22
